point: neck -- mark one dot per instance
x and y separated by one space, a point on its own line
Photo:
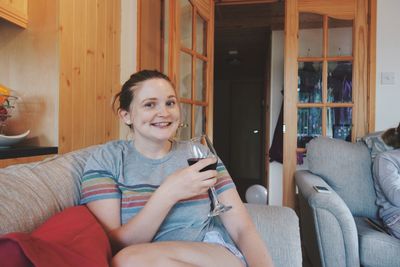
153 150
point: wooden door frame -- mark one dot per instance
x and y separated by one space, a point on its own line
365 111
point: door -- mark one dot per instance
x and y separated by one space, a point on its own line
239 130
190 61
326 84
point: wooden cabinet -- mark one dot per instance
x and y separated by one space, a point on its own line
15 11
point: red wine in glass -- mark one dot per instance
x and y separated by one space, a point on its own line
201 147
212 166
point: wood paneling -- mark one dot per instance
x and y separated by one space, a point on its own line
149 35
89 72
15 11
290 99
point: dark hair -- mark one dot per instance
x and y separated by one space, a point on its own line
125 96
391 137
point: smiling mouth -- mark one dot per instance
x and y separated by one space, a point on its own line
161 124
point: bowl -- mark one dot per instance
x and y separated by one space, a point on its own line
9 140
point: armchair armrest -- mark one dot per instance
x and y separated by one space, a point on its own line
328 228
279 228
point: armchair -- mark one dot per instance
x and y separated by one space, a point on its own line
333 226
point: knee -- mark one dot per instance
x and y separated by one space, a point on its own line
135 256
125 258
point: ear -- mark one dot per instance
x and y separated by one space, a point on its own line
125 117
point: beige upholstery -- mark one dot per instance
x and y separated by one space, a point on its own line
32 193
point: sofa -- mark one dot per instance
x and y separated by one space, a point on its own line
32 193
342 228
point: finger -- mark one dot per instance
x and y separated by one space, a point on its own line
206 175
209 182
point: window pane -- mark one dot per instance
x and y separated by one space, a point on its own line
310 35
201 33
200 80
186 24
185 85
340 37
340 81
310 82
184 132
339 123
309 125
200 119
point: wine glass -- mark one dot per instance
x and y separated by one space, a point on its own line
201 147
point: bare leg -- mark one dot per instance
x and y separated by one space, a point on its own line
175 254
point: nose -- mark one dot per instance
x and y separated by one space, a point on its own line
163 110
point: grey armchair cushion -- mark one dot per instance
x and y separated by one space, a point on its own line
377 249
346 167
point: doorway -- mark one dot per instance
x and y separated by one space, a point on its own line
243 121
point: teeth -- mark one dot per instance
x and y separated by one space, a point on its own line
161 124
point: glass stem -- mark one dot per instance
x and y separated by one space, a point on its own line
214 197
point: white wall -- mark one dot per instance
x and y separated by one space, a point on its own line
29 65
275 168
387 60
128 47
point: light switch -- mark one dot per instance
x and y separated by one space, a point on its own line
388 78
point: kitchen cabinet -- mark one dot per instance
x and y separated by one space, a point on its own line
15 11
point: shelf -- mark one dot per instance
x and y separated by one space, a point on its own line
26 151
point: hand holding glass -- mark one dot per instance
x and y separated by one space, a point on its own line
198 146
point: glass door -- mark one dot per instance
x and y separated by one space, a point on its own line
191 69
326 77
325 69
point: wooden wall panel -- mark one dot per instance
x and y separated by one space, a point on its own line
89 72
149 35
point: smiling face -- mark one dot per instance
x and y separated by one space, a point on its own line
154 112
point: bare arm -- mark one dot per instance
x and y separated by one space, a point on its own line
243 231
182 184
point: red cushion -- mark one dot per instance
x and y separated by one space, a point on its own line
71 238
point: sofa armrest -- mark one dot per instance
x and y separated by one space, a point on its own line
328 228
279 228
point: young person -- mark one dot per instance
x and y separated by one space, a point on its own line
154 206
386 171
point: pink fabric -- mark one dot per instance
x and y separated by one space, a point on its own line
71 238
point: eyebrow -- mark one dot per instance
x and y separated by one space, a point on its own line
155 98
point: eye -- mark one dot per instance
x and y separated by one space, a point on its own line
171 103
149 105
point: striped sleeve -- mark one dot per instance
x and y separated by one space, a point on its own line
98 185
224 180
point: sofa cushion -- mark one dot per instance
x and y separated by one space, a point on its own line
49 186
375 144
346 167
71 238
377 249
